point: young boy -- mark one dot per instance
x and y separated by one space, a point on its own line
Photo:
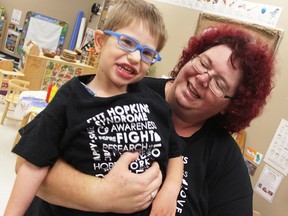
92 119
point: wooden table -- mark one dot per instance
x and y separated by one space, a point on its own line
30 104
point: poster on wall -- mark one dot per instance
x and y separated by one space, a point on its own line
16 16
277 153
268 183
88 38
253 155
46 31
11 41
58 73
271 36
262 14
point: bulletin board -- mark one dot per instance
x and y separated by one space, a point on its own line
47 32
271 36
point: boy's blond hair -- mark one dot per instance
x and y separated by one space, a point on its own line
124 12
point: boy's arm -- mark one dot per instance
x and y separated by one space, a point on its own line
26 184
119 191
166 199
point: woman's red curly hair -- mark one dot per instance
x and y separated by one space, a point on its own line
249 54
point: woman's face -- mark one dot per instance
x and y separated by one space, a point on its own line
192 95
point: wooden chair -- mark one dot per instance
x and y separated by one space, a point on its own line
27 118
7 72
15 87
256 213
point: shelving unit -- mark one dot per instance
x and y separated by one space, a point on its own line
37 67
2 31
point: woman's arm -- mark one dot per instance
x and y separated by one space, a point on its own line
119 191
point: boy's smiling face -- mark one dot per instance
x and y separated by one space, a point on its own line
118 67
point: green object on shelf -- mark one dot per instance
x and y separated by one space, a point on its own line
2 12
152 69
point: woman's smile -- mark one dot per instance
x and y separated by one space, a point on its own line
192 90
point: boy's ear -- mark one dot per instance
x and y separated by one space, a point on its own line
98 40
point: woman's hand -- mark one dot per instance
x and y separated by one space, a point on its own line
119 191
131 191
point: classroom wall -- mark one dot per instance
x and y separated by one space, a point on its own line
181 23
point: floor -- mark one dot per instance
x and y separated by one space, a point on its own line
8 132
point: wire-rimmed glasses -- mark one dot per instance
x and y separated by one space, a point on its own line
216 85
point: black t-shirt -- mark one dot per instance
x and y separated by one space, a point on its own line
91 133
216 180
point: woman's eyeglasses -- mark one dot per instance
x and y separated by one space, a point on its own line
130 44
216 85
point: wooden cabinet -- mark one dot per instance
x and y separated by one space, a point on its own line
40 71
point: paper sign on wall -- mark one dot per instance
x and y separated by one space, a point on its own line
277 153
262 14
268 183
16 16
253 156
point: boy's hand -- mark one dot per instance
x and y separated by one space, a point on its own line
164 204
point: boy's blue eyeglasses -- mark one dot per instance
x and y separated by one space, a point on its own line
130 44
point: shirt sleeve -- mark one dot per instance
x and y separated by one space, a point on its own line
229 185
41 137
174 144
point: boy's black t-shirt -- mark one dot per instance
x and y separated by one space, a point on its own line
91 133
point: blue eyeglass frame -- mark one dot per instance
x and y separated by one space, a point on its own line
138 46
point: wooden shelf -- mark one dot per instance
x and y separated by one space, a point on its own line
37 67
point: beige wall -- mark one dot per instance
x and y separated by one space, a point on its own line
64 10
181 23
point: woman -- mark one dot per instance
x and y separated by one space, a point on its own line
219 85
